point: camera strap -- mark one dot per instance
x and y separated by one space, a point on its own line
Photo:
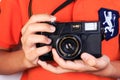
30 8
64 4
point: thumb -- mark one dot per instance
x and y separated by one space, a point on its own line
102 62
98 63
88 59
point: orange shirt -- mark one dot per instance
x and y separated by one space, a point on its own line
14 14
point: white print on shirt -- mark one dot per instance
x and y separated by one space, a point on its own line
109 17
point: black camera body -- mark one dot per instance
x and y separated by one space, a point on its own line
71 39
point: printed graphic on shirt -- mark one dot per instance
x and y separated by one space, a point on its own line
109 20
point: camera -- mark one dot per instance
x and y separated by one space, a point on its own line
71 39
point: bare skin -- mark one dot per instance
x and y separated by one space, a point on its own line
29 54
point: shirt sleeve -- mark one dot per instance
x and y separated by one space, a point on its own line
10 23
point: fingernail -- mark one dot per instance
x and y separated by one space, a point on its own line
53 19
52 28
84 56
49 41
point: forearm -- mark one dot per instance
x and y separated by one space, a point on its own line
116 68
12 62
112 70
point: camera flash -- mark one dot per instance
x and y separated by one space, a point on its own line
91 26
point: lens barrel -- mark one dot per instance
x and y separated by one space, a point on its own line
69 46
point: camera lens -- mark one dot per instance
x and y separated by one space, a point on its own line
69 46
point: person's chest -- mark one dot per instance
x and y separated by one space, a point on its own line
78 10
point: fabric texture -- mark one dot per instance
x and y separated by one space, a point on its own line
14 14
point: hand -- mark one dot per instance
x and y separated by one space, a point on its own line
30 38
87 64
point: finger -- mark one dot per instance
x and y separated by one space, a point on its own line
83 67
97 63
51 68
34 54
88 59
58 59
102 62
67 64
31 40
38 18
43 50
41 18
38 27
